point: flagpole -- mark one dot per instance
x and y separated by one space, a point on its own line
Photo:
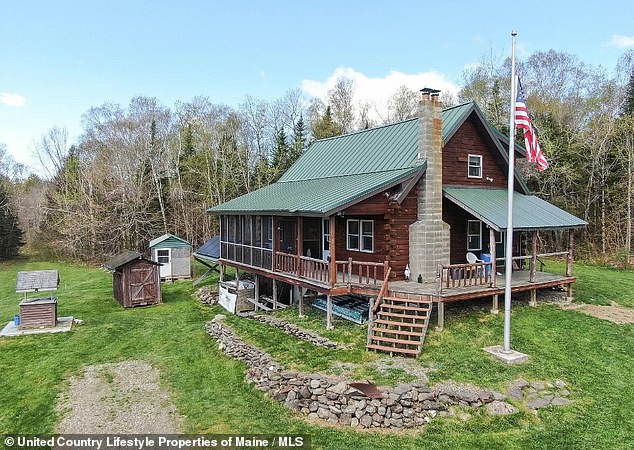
508 254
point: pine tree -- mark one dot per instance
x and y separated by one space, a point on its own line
325 126
628 101
11 236
299 139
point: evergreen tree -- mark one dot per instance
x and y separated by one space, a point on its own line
10 232
325 126
299 139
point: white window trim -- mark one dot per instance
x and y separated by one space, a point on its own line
359 235
469 166
479 235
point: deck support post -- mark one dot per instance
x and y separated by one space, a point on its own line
533 298
329 325
256 280
333 256
569 258
495 308
274 294
493 253
441 315
533 268
302 292
371 301
300 245
222 272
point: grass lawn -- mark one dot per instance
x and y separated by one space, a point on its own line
595 358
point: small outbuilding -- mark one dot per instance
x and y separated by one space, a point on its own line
174 256
37 312
135 279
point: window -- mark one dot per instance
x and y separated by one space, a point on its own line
474 235
475 166
163 256
360 235
267 231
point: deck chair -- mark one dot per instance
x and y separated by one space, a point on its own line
472 259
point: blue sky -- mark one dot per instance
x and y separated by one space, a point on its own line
60 58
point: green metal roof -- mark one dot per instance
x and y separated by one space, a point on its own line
384 148
317 196
169 241
529 211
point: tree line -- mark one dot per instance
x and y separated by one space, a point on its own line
144 169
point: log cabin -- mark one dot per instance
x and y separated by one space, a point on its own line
358 212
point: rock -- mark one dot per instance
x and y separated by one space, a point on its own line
520 383
365 420
339 388
498 396
292 395
304 392
539 403
313 406
219 318
408 412
293 405
465 417
560 401
319 391
334 410
515 393
560 384
377 418
498 408
345 419
354 422
402 388
538 385
314 384
323 413
370 409
564 392
381 410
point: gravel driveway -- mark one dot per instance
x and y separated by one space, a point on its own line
117 398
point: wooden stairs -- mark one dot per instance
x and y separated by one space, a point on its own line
398 324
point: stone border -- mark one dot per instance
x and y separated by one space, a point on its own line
405 406
293 330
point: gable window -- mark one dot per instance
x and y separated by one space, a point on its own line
475 166
474 235
360 235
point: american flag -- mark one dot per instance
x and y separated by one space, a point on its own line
523 120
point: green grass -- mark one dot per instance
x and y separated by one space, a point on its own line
599 285
596 358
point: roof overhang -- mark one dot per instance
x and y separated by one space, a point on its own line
529 212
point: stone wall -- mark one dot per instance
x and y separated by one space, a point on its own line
292 330
337 402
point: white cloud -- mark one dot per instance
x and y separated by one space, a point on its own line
620 41
377 90
12 99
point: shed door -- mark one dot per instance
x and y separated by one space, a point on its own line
164 257
143 287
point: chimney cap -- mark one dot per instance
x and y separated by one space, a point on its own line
427 90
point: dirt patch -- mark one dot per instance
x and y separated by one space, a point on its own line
614 313
122 397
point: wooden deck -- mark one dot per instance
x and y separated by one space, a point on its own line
519 282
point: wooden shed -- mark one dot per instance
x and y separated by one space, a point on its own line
135 279
174 256
37 312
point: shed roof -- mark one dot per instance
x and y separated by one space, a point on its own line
37 280
210 249
124 258
171 240
529 212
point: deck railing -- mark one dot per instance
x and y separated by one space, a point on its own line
302 266
361 272
460 275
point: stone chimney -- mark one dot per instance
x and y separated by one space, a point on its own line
429 235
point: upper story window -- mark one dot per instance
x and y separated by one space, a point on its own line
360 235
475 166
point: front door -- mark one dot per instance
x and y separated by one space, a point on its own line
164 257
326 240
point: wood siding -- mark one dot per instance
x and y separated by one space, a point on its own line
469 140
36 315
137 284
391 230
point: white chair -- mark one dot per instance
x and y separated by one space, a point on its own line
473 259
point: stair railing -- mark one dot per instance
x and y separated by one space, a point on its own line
375 306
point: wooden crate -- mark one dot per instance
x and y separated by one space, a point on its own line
38 313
